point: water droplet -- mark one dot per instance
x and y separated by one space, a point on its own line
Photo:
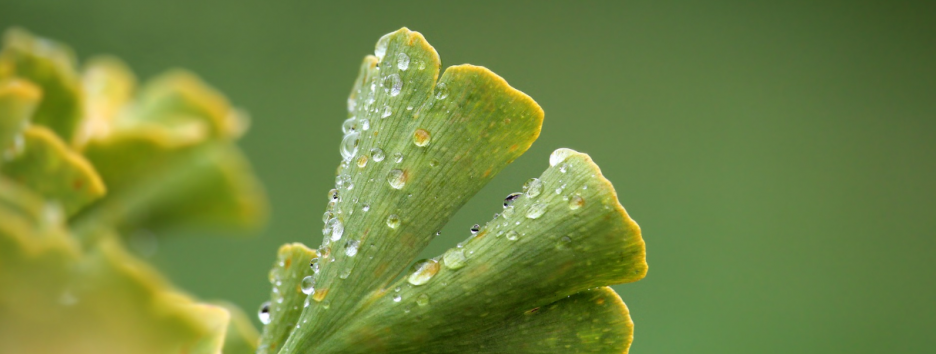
313 263
536 210
454 258
393 221
576 201
402 61
365 124
396 178
474 229
409 108
327 216
423 271
560 155
345 273
264 313
386 112
563 168
349 125
338 229
397 298
422 65
533 187
422 300
564 243
308 285
508 212
333 195
349 145
558 190
512 235
326 304
392 84
381 48
510 199
441 91
362 161
433 163
421 137
377 154
397 157
351 104
351 248
365 207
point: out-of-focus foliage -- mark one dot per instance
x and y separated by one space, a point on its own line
89 157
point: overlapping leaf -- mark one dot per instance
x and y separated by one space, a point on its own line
415 149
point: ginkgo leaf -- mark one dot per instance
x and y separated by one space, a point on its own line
103 300
49 167
18 100
51 66
415 149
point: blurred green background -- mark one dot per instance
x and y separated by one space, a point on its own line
779 157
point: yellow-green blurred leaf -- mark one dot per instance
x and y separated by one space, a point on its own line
109 86
51 66
242 336
47 166
18 100
179 97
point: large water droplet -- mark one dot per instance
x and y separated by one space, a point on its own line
423 271
349 145
327 216
422 300
513 235
576 201
421 137
377 154
386 112
510 199
349 125
351 248
337 229
536 210
402 61
392 84
441 91
393 221
313 264
474 229
533 187
508 212
396 178
381 48
333 195
454 258
560 155
307 285
264 313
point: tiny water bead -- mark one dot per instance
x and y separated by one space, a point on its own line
351 248
576 201
474 229
314 265
422 300
564 168
337 229
362 161
381 48
349 145
403 61
423 271
421 137
365 124
421 65
564 243
510 199
559 156
333 195
386 112
365 207
441 91
508 212
264 313
377 154
307 285
392 84
513 235
349 125
327 216
533 187
393 221
396 178
454 258
397 157
397 298
536 210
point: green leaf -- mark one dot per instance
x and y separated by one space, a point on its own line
241 336
18 100
50 168
109 86
51 66
415 149
64 299
287 297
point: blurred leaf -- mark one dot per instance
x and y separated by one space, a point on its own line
18 101
109 86
47 166
100 301
51 66
241 336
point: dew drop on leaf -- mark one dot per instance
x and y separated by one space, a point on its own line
403 61
422 300
560 155
264 313
349 125
576 201
512 235
365 124
421 137
533 187
337 229
392 84
307 285
362 161
349 145
475 229
397 298
441 91
393 221
351 248
377 154
454 259
423 272
333 195
510 199
396 178
536 210
385 112
397 157
564 243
